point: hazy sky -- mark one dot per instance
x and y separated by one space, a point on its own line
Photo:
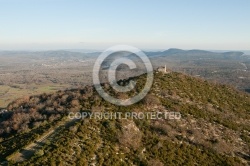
147 24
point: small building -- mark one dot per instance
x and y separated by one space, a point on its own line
163 69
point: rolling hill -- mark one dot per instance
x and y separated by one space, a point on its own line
214 128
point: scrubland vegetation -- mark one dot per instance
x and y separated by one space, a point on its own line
213 130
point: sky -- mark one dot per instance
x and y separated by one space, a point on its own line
147 24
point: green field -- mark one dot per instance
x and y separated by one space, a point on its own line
10 93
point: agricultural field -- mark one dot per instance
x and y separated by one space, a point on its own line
10 93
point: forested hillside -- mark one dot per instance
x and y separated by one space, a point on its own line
214 128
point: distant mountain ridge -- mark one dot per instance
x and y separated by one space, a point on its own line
194 53
172 52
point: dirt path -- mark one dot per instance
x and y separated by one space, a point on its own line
33 147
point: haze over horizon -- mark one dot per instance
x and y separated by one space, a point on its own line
61 24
